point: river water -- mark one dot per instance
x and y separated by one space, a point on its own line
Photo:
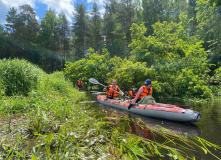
208 128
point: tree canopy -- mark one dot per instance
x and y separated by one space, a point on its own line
175 43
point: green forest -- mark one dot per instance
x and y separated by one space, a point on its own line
176 44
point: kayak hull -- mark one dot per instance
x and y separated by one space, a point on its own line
163 111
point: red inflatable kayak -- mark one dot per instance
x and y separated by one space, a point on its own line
157 110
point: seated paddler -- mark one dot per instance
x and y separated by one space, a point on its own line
113 90
132 93
144 95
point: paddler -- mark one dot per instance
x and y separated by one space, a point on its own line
143 91
79 84
112 90
132 93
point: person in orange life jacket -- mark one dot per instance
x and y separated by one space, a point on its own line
79 84
143 91
110 93
133 94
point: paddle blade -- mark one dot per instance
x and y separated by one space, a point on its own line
93 81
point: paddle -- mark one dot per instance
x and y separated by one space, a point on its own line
94 81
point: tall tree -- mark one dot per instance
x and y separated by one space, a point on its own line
26 25
11 20
192 14
96 29
152 12
80 29
113 29
126 18
161 10
1 29
48 28
64 33
209 28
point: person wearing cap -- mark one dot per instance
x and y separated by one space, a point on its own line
143 91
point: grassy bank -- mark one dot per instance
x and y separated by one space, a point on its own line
41 118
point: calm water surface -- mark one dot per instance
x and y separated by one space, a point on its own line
209 127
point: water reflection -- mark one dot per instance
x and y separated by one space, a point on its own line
137 123
208 127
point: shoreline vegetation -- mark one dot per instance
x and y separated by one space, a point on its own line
42 118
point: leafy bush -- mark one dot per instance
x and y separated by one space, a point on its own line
18 76
179 61
94 65
130 74
104 69
57 82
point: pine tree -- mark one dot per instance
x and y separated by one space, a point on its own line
192 14
64 33
81 30
11 20
152 13
26 25
113 29
96 29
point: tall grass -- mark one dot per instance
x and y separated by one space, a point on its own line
18 77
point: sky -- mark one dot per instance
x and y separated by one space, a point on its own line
41 6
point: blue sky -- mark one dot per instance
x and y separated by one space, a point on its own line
40 6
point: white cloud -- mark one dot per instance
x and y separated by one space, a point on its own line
5 5
37 18
67 6
100 4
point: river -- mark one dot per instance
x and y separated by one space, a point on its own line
208 128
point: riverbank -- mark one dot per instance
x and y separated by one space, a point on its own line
47 121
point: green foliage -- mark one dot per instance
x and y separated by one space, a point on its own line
161 10
51 124
96 25
81 30
18 77
179 60
104 69
129 74
48 30
118 18
93 64
209 28
24 25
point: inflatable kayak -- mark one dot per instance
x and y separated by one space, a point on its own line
156 110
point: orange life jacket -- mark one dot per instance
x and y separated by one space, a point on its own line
146 92
111 93
79 83
131 94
